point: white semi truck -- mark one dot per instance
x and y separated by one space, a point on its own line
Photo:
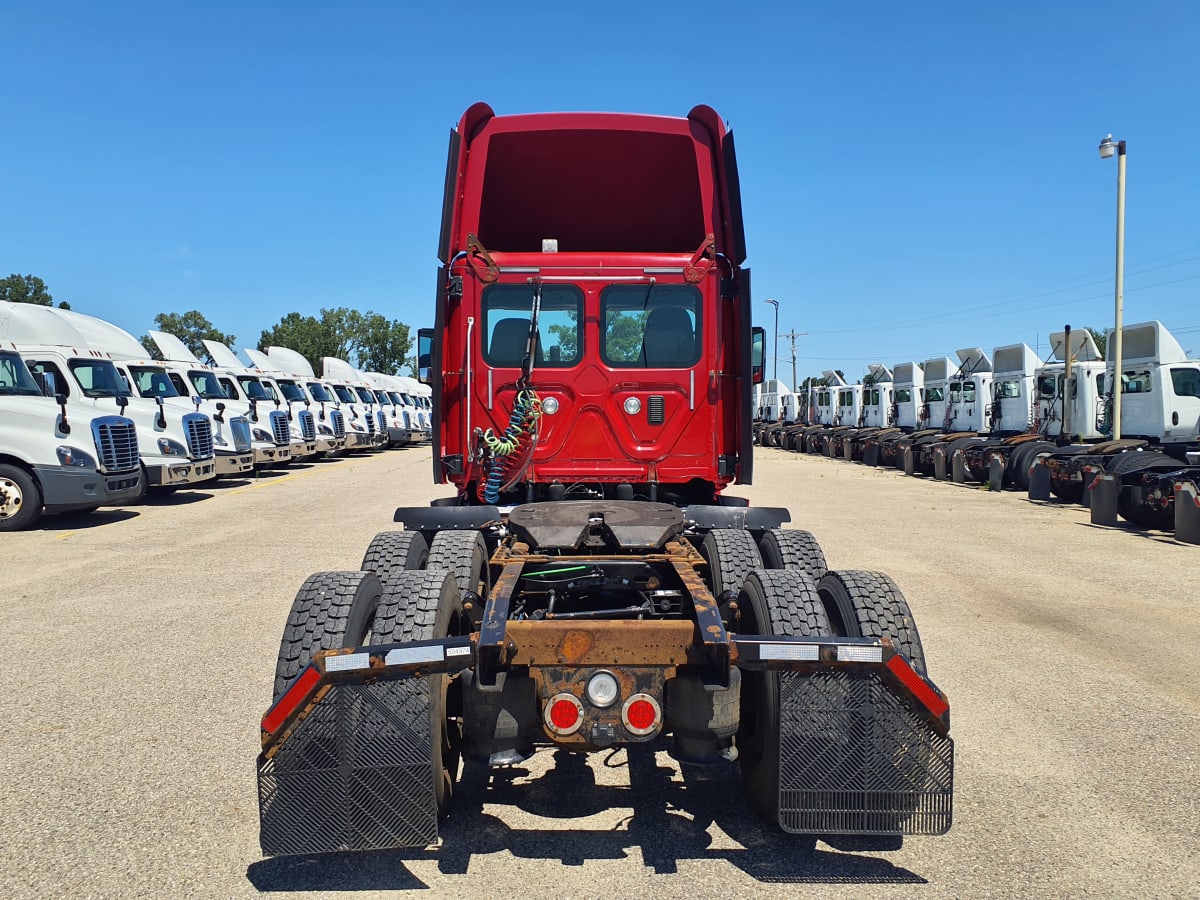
175 447
151 380
297 373
361 419
269 426
51 462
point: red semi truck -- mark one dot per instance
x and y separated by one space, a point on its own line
590 583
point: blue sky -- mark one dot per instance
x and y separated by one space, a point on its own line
917 177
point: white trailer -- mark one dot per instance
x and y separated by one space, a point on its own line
51 462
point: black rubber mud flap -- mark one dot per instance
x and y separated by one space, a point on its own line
854 758
355 774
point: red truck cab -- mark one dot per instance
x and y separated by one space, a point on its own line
593 333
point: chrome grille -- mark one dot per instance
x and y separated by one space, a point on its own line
279 429
239 430
308 425
116 442
198 428
338 421
369 421
382 421
407 420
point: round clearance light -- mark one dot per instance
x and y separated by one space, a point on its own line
602 690
633 406
549 406
564 714
641 714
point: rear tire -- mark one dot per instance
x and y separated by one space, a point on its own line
422 606
792 549
868 604
20 499
391 552
331 610
1137 513
731 554
464 555
1022 461
780 602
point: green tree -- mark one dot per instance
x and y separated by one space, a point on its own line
378 344
191 327
28 289
1101 338
368 340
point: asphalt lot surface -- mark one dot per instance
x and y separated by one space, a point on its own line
142 646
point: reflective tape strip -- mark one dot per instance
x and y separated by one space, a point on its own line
915 683
347 662
291 699
859 653
802 652
409 655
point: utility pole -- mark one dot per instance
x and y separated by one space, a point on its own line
791 336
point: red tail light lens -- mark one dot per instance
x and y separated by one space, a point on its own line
641 714
563 714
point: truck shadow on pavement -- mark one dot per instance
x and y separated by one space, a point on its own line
668 821
79 521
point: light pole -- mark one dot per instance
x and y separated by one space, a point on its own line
1107 147
775 371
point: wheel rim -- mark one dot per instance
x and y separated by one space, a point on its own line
11 498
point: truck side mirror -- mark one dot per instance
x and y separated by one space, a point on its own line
122 402
220 416
758 343
425 355
61 399
162 413
45 383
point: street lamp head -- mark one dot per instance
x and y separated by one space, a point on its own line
1108 147
774 303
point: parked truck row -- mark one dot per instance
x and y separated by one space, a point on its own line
89 419
1014 420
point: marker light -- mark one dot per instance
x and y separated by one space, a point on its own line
641 714
550 406
633 406
564 714
602 690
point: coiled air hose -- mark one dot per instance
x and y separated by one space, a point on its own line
522 425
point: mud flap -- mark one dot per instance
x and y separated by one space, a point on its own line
355 774
854 758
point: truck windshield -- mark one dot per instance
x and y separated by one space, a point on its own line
15 377
206 384
934 394
650 326
506 311
291 390
319 393
253 388
152 381
365 395
343 393
99 378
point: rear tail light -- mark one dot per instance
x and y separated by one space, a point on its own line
564 714
641 715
